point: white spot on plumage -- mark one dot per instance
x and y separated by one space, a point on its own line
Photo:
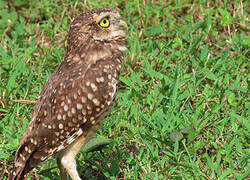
76 58
60 126
69 114
44 125
59 116
96 102
78 106
93 86
79 92
90 96
60 147
73 110
101 79
79 117
114 88
107 66
75 96
66 107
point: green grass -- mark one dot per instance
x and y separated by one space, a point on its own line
182 111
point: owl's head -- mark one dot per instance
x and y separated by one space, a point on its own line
100 25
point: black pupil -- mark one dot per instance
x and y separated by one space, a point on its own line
104 21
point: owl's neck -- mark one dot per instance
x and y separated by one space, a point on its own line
92 51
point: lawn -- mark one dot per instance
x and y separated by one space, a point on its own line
182 109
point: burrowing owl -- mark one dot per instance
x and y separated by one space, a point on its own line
78 95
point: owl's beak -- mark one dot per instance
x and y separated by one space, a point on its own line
119 30
123 25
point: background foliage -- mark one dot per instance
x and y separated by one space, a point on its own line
182 108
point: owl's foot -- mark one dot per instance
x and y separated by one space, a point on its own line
66 159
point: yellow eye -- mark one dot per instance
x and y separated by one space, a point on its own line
104 22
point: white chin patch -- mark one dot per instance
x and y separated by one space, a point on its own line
122 48
119 33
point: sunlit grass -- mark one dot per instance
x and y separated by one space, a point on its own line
182 108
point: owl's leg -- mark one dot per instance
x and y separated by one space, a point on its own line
66 158
63 173
69 164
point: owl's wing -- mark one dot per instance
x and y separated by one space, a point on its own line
71 103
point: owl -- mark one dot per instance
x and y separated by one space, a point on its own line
77 97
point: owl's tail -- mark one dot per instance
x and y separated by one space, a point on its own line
16 174
20 167
25 161
18 171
